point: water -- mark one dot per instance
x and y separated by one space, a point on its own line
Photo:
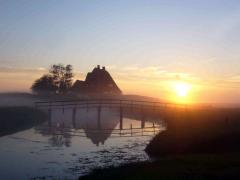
67 147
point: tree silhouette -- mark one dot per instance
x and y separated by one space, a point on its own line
62 76
59 80
45 84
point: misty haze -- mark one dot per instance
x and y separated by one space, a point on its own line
140 89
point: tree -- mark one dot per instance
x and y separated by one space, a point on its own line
59 80
45 84
62 76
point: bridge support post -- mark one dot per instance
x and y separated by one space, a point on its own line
87 106
142 118
143 122
49 117
99 117
74 117
131 129
121 118
154 128
63 109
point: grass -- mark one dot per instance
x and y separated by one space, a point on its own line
214 130
14 119
198 144
191 166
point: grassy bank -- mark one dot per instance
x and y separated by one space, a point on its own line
200 166
198 144
213 130
14 119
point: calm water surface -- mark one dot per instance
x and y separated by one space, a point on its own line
67 147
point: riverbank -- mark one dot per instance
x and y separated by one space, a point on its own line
211 130
200 166
14 119
198 144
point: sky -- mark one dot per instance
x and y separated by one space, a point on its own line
147 45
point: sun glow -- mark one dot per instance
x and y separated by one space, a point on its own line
182 89
181 92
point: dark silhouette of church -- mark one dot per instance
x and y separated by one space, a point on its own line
99 81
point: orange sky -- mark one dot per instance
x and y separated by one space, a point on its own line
148 81
148 46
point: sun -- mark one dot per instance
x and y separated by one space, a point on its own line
182 89
182 92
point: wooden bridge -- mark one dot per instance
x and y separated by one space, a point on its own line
119 104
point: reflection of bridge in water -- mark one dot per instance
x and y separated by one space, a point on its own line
99 117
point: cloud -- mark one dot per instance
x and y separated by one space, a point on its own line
234 79
224 82
150 74
42 69
7 69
